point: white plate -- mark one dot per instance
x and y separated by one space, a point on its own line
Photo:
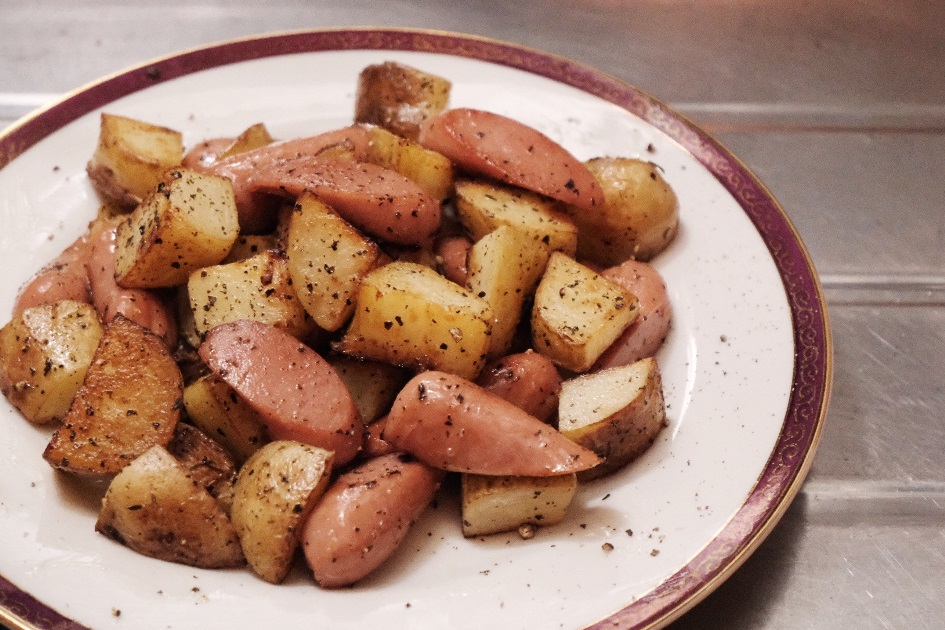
746 367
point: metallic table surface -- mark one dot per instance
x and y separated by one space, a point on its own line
839 107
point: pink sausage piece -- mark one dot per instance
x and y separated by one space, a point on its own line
205 154
364 516
141 306
374 443
65 278
505 149
645 336
456 425
298 393
528 380
453 254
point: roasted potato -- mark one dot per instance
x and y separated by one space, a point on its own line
253 137
44 355
399 97
484 206
578 314
206 461
276 490
218 410
494 504
432 171
157 508
617 413
248 245
408 314
131 158
129 401
188 222
373 384
327 258
503 267
258 288
638 219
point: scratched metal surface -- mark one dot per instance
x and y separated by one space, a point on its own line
839 107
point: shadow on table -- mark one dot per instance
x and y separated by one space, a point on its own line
750 596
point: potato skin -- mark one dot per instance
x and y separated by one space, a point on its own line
364 516
297 392
129 401
44 355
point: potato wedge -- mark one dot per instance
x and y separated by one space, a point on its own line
617 413
408 314
484 206
276 490
638 219
327 258
504 268
218 410
131 158
44 355
155 507
432 171
492 505
129 401
189 221
399 97
253 137
578 314
373 384
258 288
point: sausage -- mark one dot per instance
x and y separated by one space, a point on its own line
364 516
141 306
205 154
65 278
502 148
528 380
374 443
456 425
299 395
452 253
645 336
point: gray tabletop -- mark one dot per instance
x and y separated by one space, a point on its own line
838 107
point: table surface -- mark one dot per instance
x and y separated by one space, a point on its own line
839 107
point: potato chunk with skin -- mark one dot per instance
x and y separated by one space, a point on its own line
578 313
432 171
156 508
131 158
408 314
206 461
188 222
504 267
617 413
129 401
485 206
259 288
399 97
44 355
372 384
327 258
218 410
638 219
502 504
276 490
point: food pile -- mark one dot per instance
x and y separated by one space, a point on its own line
270 346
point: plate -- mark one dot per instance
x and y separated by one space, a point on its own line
746 367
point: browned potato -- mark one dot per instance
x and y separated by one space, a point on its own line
276 490
129 401
206 461
484 206
503 504
188 222
503 268
408 314
639 217
214 407
258 288
131 158
399 97
44 355
254 137
248 245
372 384
617 413
578 313
157 508
432 171
327 258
